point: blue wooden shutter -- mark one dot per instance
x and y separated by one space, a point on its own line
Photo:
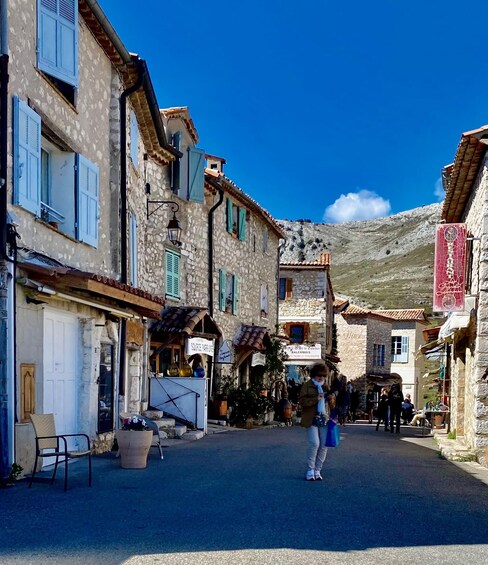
176 165
235 298
196 168
242 224
133 249
403 358
27 157
172 274
87 200
134 139
222 289
57 39
229 215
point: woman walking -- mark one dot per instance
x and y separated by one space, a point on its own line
316 405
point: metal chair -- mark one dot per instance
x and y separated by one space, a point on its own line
50 444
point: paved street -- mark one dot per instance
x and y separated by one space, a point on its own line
240 497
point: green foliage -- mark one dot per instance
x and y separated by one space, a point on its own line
248 403
15 473
275 359
451 434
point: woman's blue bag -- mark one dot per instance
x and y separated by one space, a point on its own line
332 437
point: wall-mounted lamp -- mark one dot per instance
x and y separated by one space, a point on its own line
174 228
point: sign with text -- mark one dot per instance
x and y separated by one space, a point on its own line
305 352
199 345
258 359
449 268
224 355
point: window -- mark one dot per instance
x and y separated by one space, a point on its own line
264 301
399 349
134 140
57 43
236 220
298 333
285 290
133 249
56 185
172 274
176 164
265 240
228 292
162 361
378 355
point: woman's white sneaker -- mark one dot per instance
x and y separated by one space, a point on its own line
317 476
310 476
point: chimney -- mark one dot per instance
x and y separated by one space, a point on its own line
324 259
215 163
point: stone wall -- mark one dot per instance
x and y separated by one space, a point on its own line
352 343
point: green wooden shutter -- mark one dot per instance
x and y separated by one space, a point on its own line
242 224
222 289
196 168
235 292
229 215
27 157
172 274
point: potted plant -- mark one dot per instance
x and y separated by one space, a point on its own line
248 404
134 440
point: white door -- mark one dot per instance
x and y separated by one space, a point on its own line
60 361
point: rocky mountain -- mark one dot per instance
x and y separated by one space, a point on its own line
382 263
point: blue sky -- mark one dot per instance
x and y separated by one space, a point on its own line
329 111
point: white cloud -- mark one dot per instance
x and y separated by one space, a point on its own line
362 205
439 190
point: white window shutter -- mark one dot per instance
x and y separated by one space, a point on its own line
87 196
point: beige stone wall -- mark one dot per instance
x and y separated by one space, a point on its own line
352 344
85 129
411 372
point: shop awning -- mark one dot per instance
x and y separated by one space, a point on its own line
252 338
187 321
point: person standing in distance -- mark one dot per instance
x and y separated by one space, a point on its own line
316 405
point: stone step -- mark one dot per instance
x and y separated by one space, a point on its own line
164 423
153 414
193 435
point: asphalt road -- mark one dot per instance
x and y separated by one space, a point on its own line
240 498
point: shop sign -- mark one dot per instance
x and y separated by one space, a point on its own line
258 359
305 352
449 268
199 345
224 355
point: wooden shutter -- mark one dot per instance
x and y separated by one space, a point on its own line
289 289
176 165
172 274
57 39
87 196
222 289
229 215
27 157
242 224
235 294
133 249
196 167
403 358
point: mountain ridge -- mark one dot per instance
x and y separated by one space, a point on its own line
380 263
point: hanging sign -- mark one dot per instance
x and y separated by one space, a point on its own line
299 351
224 355
449 268
258 359
199 345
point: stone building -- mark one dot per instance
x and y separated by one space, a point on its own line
306 315
406 339
84 122
466 333
364 344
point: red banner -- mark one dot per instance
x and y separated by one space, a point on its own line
449 267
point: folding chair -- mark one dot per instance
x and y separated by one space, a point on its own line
50 444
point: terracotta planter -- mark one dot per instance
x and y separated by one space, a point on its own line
133 448
220 407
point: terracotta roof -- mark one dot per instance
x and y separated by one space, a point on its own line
339 302
251 337
182 113
324 259
359 312
216 180
410 314
184 320
459 177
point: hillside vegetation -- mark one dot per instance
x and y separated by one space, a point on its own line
382 263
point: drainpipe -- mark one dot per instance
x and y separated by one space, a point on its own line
5 277
123 210
211 364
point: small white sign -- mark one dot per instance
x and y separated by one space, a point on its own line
224 355
258 359
199 345
306 352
